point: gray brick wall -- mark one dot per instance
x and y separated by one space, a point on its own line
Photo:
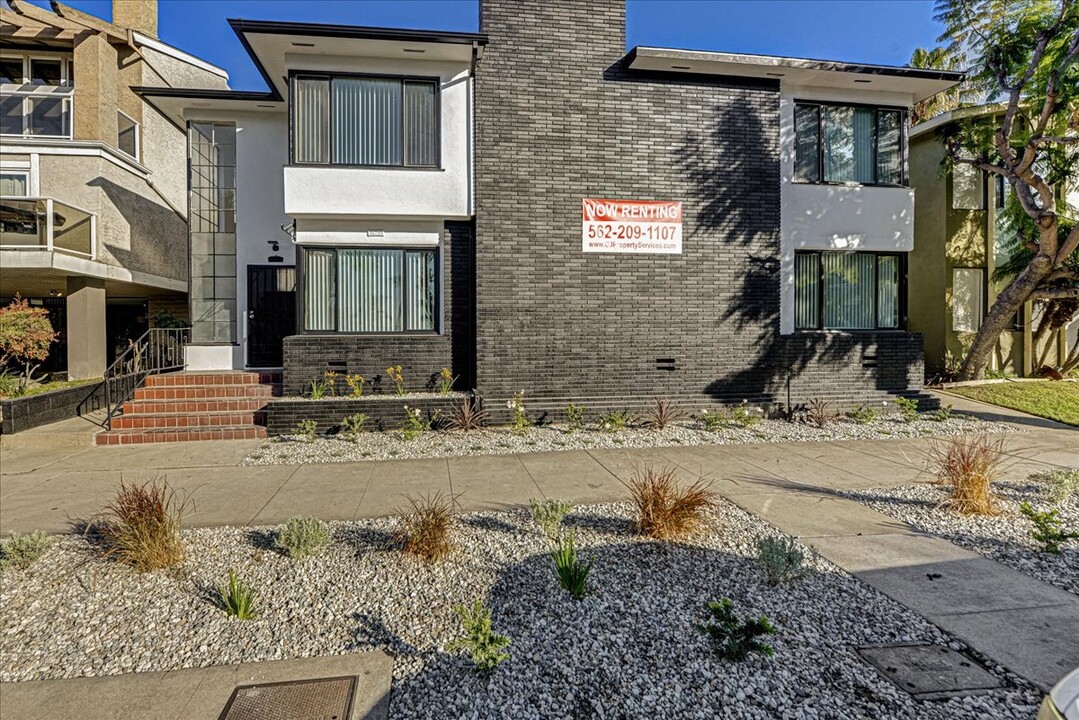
383 412
421 357
559 118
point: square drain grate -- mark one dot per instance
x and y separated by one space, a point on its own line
321 699
930 672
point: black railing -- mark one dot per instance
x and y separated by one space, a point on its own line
159 350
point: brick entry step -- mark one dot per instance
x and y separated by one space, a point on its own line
183 406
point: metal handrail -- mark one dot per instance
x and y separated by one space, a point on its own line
158 350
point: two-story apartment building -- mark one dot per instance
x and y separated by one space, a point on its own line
93 181
539 210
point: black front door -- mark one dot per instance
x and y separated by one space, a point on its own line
271 313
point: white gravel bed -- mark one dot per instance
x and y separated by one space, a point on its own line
1005 537
628 650
289 449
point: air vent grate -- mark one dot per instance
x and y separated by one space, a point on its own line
326 699
667 364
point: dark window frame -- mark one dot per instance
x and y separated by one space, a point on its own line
901 291
329 76
301 291
904 180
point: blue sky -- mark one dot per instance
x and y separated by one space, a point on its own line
871 31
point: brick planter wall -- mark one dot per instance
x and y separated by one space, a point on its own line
560 121
421 356
23 413
385 412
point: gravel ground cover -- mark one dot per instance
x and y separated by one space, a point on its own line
628 650
1005 537
287 450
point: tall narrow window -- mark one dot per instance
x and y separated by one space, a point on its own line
967 192
889 140
212 212
887 291
807 290
968 299
807 134
319 300
362 120
127 135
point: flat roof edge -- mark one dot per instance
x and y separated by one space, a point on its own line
207 94
646 51
272 27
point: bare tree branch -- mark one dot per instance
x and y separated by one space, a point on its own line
1061 293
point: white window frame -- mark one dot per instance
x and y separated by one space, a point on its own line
138 137
67 68
26 177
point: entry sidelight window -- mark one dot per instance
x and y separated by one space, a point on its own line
365 120
848 291
370 290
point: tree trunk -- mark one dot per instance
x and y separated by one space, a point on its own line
1004 308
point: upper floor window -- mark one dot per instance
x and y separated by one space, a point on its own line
35 99
364 120
127 134
848 144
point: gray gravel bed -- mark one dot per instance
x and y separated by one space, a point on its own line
1004 537
628 650
288 450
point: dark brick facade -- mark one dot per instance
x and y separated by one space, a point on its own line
559 117
421 356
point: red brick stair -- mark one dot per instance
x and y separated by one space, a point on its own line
186 406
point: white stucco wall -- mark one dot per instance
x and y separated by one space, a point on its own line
834 217
394 192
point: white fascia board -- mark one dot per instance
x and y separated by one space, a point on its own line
165 49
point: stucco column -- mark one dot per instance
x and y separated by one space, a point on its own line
85 328
95 89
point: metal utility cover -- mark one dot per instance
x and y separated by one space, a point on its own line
321 699
930 672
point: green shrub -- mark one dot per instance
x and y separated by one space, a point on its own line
549 514
305 429
743 416
1047 528
908 408
237 598
302 536
782 559
520 423
352 426
318 389
415 424
712 420
731 638
10 385
22 551
574 417
863 414
614 421
941 414
486 647
1059 484
572 573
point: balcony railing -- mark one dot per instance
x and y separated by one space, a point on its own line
34 223
36 111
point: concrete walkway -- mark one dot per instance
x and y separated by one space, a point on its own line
1027 625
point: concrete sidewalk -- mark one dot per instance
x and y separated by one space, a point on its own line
1027 625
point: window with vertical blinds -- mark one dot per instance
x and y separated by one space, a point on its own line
847 291
848 144
370 290
362 120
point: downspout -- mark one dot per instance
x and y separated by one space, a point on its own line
473 334
179 213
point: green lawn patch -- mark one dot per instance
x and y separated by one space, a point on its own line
1054 400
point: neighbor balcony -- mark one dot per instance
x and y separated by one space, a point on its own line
30 224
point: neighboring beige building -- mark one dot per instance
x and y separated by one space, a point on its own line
959 241
93 181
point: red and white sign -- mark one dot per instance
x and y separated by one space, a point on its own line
631 226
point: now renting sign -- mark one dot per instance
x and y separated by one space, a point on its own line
631 226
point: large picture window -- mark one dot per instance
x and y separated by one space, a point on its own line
848 144
362 120
370 290
35 96
847 291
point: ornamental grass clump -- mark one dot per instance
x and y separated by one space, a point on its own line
662 413
664 509
142 526
468 416
425 526
481 642
21 551
237 598
302 536
548 515
969 466
571 572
